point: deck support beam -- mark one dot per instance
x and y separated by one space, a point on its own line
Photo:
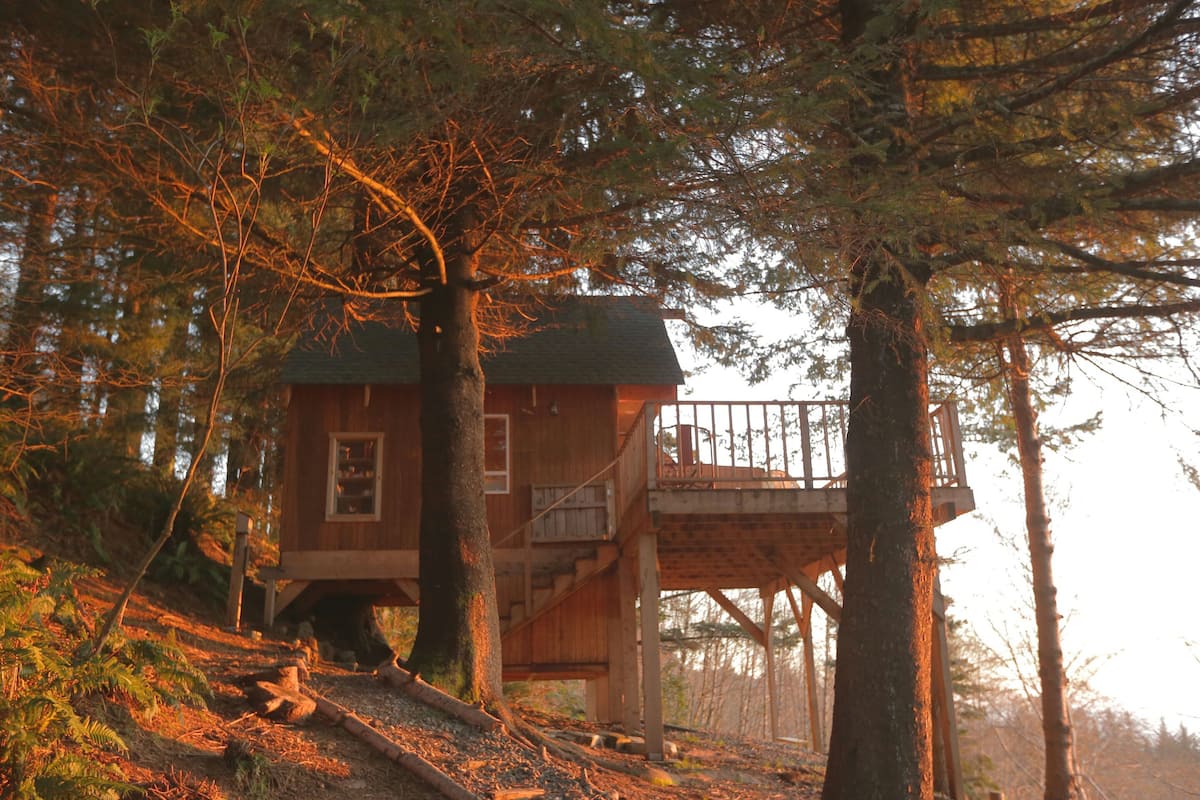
616 671
804 623
648 575
739 616
945 720
768 605
831 607
627 653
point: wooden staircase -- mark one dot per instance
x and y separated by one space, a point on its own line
552 588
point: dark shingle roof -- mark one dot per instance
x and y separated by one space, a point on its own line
580 340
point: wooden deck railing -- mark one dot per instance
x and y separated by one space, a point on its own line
633 462
760 445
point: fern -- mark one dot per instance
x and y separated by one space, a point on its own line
44 675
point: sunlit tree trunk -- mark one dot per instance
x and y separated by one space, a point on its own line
458 634
1061 781
880 741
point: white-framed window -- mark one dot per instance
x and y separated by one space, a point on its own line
495 454
355 461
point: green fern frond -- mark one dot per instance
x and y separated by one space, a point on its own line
85 730
69 776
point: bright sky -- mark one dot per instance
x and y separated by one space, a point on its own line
1126 526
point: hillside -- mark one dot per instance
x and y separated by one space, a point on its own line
226 750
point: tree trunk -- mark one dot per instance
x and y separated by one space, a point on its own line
18 353
457 647
1061 782
880 739
166 426
879 745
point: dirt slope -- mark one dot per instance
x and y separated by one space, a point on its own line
180 753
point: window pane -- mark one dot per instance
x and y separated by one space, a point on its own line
355 478
495 448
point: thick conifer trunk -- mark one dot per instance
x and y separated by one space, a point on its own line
1061 782
880 745
880 742
458 636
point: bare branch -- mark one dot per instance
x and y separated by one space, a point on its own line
400 205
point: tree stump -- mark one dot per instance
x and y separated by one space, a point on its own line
275 694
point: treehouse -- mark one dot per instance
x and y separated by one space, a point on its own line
603 489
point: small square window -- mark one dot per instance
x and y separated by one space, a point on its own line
495 454
354 472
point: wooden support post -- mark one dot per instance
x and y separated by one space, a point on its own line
804 622
237 574
269 605
631 712
595 692
651 657
768 604
616 676
945 721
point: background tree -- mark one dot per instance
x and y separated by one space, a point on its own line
969 138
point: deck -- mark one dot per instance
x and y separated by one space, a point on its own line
741 495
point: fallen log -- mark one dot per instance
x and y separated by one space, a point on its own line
412 685
357 727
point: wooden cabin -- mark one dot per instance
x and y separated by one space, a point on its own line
603 488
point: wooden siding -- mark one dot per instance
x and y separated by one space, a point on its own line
563 448
314 412
558 435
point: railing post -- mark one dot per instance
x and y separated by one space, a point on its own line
652 453
806 446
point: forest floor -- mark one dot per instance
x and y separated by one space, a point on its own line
181 752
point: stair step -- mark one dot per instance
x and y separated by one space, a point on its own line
516 613
584 567
563 582
606 554
540 596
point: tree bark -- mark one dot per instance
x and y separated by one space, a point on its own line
880 739
1061 782
18 353
457 647
880 745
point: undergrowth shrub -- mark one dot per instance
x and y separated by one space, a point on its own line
48 672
